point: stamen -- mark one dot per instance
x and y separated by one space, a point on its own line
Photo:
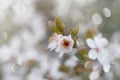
65 43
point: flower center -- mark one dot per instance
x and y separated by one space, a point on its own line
65 43
97 49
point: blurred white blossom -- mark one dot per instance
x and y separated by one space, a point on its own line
107 12
97 19
95 74
71 62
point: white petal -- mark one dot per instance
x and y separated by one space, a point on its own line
92 54
61 54
49 46
94 75
100 41
58 49
106 68
105 41
103 57
52 46
90 43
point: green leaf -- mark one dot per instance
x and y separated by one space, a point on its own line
71 31
74 31
75 44
82 54
55 29
63 68
59 24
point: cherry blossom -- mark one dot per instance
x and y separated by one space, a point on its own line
65 45
53 41
95 73
99 51
61 44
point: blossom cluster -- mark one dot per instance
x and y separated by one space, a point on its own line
93 51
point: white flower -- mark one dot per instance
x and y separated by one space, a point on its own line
61 44
98 51
95 74
54 41
71 62
65 45
96 45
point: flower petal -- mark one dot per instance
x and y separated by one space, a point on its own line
90 42
105 41
103 56
92 54
58 49
106 68
52 46
100 41
61 54
94 75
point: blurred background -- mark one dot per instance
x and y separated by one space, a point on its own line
24 34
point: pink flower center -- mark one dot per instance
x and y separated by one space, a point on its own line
97 49
65 43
